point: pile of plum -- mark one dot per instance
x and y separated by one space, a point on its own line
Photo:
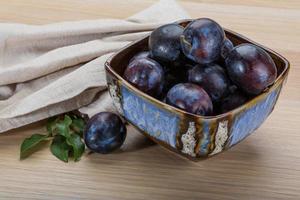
196 69
199 70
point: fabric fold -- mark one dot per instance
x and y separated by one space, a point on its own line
47 70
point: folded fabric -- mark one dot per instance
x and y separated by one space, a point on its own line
50 69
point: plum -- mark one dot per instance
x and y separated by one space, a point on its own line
164 43
147 75
212 78
175 75
202 40
226 48
251 68
104 132
142 54
233 101
191 98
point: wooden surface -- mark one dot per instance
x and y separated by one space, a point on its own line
264 166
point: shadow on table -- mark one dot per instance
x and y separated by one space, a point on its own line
139 149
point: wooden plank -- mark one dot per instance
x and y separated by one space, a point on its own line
264 166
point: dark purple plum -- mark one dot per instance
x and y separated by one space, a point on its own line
191 98
232 88
164 43
142 54
251 68
170 81
233 101
147 75
104 132
212 78
175 75
183 64
226 48
202 40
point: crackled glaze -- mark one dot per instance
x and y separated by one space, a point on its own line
113 90
221 137
188 140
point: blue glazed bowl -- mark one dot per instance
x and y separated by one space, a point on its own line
187 134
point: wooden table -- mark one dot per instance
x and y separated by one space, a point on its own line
264 166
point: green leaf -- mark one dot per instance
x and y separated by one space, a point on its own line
51 125
63 128
67 120
59 148
78 126
77 145
73 116
67 131
30 144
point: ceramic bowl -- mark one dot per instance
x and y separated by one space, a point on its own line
187 134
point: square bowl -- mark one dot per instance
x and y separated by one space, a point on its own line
188 134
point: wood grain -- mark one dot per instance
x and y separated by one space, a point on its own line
264 166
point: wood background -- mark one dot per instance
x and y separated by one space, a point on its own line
264 166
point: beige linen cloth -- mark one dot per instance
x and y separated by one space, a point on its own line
50 69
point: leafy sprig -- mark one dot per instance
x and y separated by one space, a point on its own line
65 133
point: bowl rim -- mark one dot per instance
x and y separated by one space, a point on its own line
280 78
